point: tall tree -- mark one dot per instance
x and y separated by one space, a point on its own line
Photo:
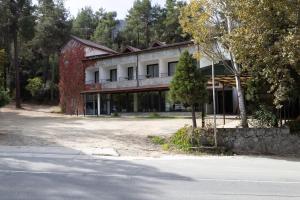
106 29
18 13
172 29
189 84
267 43
208 22
138 24
52 31
85 23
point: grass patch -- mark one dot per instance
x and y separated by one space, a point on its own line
157 140
192 141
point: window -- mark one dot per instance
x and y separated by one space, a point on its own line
152 71
96 77
172 68
113 75
130 73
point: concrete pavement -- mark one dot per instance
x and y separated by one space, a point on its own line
40 174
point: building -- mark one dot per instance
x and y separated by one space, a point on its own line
97 80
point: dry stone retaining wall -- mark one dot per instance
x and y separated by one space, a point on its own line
272 141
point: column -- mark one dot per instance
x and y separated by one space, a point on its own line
135 102
108 104
99 104
163 68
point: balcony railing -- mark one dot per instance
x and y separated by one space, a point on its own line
91 85
123 82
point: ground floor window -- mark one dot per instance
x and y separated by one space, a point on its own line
91 106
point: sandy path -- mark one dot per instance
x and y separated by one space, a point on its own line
36 126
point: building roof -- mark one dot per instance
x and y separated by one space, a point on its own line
167 46
158 44
94 45
130 49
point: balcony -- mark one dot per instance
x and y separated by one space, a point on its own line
163 79
91 85
123 82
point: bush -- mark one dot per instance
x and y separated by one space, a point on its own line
157 140
4 98
187 138
154 115
34 86
264 118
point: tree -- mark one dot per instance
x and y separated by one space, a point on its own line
18 14
105 31
172 29
138 24
267 43
34 85
52 31
4 97
208 22
189 84
85 23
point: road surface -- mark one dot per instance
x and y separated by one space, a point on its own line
69 175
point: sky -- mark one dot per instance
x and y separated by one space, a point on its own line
120 6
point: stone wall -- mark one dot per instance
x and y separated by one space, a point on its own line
273 141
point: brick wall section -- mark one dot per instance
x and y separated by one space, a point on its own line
272 141
72 75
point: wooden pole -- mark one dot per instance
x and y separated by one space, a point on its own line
223 95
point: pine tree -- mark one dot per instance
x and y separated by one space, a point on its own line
85 23
138 24
189 84
106 29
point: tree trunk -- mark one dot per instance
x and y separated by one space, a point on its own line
194 117
203 115
241 99
17 73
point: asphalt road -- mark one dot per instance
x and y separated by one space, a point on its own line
62 176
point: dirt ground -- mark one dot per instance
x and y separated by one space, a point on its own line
37 126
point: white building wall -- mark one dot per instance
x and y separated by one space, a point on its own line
93 52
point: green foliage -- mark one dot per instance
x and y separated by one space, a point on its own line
267 42
264 118
189 84
157 140
86 22
34 86
104 33
4 98
188 139
182 139
154 115
115 114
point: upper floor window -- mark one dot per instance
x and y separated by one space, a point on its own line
96 78
172 68
130 73
152 71
113 75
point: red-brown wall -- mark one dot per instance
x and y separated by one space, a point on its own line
72 75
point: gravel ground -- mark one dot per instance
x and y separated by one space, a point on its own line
37 126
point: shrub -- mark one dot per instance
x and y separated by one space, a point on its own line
34 86
4 98
115 114
181 139
154 115
264 118
157 140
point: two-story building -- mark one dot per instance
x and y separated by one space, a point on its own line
134 80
